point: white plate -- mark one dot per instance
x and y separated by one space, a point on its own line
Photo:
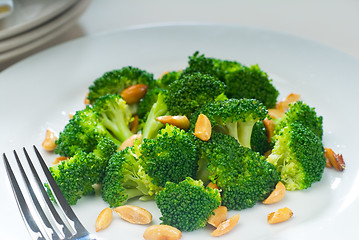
29 14
30 40
38 92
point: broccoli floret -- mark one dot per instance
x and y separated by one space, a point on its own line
259 139
82 133
192 91
115 115
115 81
244 176
241 81
298 155
187 205
164 81
159 108
146 103
122 179
171 157
77 175
235 117
302 113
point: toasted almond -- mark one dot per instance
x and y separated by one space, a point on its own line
134 93
226 226
178 121
276 195
129 142
164 73
333 159
267 153
275 113
104 219
269 126
212 185
134 124
162 232
220 215
59 159
49 142
134 214
281 215
203 128
291 98
86 100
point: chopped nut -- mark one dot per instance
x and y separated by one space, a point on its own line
129 142
134 214
281 215
49 142
291 98
226 226
277 194
203 128
162 232
134 124
220 215
59 159
134 93
269 126
267 153
333 159
104 219
86 100
212 185
178 121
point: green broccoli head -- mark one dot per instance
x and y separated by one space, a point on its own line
187 205
171 157
244 176
115 81
259 138
76 175
235 117
167 78
122 179
82 133
241 81
302 113
115 115
298 154
192 91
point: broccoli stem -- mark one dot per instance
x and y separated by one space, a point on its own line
233 129
117 126
245 132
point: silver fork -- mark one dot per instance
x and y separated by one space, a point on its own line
43 220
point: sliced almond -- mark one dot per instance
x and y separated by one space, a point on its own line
134 214
333 159
281 215
162 232
49 142
277 194
133 94
226 226
212 185
104 219
220 215
59 159
178 121
269 126
129 142
291 98
203 128
86 100
134 124
275 113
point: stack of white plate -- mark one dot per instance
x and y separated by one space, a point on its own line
36 22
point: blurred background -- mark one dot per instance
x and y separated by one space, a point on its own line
30 26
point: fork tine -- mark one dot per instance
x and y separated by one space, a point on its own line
45 220
60 224
20 200
67 210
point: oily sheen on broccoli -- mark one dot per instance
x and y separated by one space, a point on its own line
187 205
115 81
298 155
